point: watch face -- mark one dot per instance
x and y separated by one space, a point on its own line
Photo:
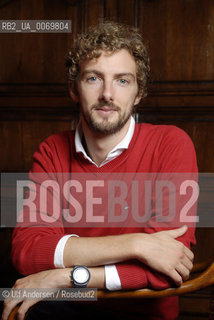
81 275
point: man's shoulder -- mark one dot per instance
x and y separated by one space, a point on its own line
163 138
158 127
54 153
57 143
170 145
162 131
63 136
59 140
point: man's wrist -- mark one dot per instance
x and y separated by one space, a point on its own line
134 246
138 247
97 279
63 280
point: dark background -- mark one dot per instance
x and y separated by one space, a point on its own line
34 101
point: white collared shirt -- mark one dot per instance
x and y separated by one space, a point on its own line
112 279
115 152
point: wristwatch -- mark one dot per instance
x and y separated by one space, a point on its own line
80 276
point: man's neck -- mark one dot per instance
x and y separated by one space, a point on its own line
98 146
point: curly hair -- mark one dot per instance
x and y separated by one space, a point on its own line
110 37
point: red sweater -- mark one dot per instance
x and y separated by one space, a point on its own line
153 148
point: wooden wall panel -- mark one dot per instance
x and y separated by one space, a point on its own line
20 139
95 10
34 100
36 58
127 13
180 35
111 9
11 146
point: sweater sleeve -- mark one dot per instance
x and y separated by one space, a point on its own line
135 275
175 154
34 240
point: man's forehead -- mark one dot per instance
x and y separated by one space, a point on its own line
120 61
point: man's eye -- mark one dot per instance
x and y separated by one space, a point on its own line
123 81
92 79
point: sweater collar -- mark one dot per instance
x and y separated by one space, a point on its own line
115 152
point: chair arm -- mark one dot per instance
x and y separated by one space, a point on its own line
202 265
203 280
13 313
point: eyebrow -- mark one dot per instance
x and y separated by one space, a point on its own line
117 75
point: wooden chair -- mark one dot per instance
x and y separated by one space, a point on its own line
203 280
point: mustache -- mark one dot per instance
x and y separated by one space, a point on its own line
105 104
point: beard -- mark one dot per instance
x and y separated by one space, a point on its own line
106 125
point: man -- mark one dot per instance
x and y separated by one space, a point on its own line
108 70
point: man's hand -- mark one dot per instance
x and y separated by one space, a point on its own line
163 253
45 279
50 279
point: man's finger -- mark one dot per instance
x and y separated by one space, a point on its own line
183 271
175 233
9 305
25 306
189 253
187 263
176 277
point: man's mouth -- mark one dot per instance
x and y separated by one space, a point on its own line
105 110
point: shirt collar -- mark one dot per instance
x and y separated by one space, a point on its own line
116 151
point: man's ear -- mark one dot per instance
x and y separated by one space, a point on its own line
73 91
138 98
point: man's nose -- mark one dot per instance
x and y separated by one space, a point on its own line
107 92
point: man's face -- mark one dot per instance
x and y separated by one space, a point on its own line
108 91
